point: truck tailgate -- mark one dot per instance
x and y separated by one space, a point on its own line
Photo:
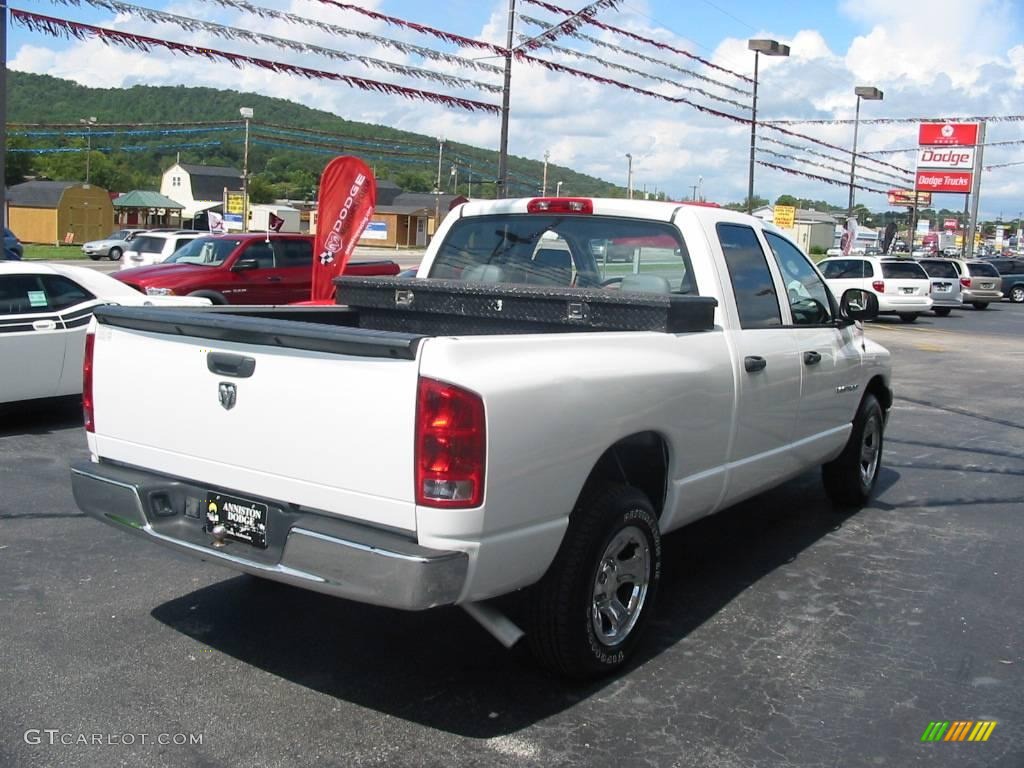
328 427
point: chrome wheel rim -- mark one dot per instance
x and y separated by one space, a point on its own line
621 583
870 451
1017 294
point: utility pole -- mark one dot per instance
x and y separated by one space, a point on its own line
505 97
88 123
544 184
976 191
246 113
629 176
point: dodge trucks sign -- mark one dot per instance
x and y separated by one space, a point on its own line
945 181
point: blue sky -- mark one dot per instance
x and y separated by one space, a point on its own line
931 57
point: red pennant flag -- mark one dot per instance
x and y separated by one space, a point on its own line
348 194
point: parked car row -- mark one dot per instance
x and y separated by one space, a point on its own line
910 287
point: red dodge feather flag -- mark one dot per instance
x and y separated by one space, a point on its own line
348 194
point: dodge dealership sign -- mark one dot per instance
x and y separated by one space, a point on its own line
945 159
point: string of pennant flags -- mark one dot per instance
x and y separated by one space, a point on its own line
901 120
815 163
816 177
901 179
189 24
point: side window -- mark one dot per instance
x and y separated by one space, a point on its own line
751 279
263 254
182 242
808 297
294 253
64 292
22 295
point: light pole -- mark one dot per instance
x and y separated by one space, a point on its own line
870 94
440 155
768 48
246 113
88 123
629 176
544 184
558 188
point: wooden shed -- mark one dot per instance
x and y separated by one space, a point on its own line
59 211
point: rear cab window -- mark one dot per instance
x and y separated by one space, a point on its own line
22 295
566 250
145 244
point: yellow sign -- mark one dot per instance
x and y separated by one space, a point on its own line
785 216
235 202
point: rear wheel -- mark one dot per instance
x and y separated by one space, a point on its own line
980 305
588 612
908 317
851 477
115 254
1017 294
94 256
942 311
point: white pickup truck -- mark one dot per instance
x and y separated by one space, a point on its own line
520 416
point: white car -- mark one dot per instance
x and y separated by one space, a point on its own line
154 247
112 247
902 285
44 311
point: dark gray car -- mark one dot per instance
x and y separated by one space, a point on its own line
1012 272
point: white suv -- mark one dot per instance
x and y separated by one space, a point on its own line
153 247
902 285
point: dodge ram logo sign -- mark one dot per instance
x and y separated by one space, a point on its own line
228 395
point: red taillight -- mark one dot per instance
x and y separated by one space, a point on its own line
879 286
451 445
579 205
965 282
87 411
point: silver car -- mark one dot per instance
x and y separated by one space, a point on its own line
112 246
980 281
947 292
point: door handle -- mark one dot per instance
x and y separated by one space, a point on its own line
44 325
273 279
227 364
754 363
811 358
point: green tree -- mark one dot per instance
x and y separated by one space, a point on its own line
787 200
260 190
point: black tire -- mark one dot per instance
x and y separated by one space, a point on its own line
115 254
213 296
943 311
908 317
562 607
849 479
981 305
94 256
1016 294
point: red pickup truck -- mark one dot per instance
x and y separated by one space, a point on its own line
241 269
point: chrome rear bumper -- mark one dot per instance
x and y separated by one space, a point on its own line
304 548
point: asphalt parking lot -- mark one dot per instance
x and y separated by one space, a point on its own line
786 634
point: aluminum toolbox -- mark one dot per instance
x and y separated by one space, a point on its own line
454 307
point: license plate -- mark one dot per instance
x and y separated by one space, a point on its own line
908 291
987 285
242 519
941 287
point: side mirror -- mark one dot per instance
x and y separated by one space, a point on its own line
244 265
858 304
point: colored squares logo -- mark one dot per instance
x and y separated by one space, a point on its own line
958 730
